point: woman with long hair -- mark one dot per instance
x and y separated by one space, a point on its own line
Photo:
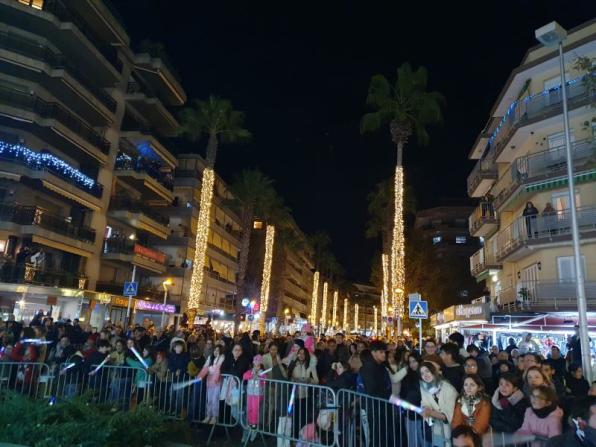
543 418
438 402
212 369
473 406
301 370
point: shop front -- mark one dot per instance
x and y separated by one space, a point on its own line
150 311
457 318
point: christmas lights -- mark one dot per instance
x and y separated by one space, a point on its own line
375 327
46 160
315 297
266 282
356 317
385 292
334 316
345 325
196 280
324 305
397 247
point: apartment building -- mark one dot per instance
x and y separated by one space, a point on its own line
291 277
84 175
526 261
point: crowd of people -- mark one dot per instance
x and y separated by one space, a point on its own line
460 394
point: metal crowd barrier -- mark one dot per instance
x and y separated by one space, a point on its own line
30 378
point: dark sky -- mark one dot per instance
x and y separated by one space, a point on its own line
300 71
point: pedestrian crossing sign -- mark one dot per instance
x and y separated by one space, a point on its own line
419 309
130 288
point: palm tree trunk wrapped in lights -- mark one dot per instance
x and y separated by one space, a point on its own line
266 282
385 292
334 316
323 321
355 317
375 326
345 322
197 278
408 108
315 297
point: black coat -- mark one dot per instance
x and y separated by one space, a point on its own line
236 367
508 419
376 379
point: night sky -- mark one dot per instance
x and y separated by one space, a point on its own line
300 72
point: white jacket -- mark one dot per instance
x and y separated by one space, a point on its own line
447 397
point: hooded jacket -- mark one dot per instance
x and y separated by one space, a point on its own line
509 418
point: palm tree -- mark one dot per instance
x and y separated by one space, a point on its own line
215 118
251 189
409 109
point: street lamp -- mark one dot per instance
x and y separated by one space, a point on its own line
165 284
552 35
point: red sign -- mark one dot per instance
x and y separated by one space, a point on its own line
148 253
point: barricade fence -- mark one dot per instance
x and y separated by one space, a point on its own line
299 414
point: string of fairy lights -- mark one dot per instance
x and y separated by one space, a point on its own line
345 322
375 326
398 247
267 263
315 296
197 278
324 305
356 317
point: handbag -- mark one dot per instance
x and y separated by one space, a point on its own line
224 390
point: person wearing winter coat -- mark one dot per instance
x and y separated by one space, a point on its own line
178 359
473 406
255 387
508 404
543 418
438 399
577 386
582 425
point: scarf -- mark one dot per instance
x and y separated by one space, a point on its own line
469 405
432 387
544 412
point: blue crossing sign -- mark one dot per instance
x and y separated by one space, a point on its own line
419 309
130 288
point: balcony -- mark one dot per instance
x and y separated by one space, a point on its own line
482 261
48 162
541 296
144 290
157 72
527 233
538 107
482 177
130 252
29 274
483 222
103 17
37 217
540 170
146 176
35 50
151 108
214 274
223 253
145 138
139 215
30 102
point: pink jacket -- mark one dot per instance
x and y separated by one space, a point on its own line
212 372
547 427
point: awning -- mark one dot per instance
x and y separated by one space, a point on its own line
561 182
68 195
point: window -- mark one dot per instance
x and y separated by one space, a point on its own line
461 239
566 268
257 225
437 240
558 139
560 200
37 4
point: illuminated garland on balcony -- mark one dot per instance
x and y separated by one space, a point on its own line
355 317
196 280
385 292
397 246
267 262
324 305
41 160
375 327
315 297
345 325
334 317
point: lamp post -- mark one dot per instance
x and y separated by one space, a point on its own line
553 35
165 284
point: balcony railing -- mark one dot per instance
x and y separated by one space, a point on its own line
128 247
222 252
229 229
215 275
543 165
136 206
64 14
125 162
535 295
33 215
29 274
542 229
541 104
46 161
483 214
53 110
485 168
482 260
144 290
36 50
